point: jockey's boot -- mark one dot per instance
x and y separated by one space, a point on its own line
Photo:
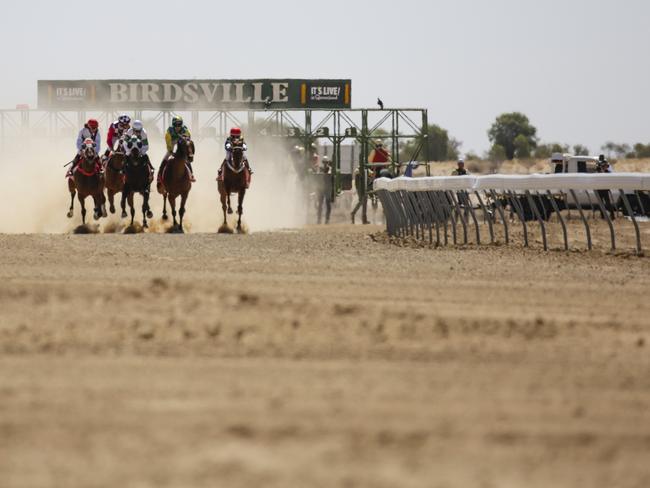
248 166
192 179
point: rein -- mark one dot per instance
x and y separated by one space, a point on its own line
84 172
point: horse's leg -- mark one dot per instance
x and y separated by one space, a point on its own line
240 207
83 208
172 204
111 204
131 206
97 201
164 213
73 192
229 206
145 207
224 206
182 209
123 203
102 203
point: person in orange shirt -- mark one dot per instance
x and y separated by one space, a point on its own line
379 155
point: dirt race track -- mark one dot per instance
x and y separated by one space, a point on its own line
319 357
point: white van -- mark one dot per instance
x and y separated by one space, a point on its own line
567 163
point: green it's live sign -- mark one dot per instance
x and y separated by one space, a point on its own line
193 94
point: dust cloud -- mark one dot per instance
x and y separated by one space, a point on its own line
36 197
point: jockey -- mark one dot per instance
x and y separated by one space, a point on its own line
90 130
137 130
235 134
379 155
173 134
117 130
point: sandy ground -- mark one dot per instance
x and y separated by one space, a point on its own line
319 357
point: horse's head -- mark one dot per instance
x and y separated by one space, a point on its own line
237 152
184 147
133 145
88 150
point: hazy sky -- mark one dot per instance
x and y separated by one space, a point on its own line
577 68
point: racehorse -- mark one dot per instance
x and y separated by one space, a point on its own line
137 180
234 178
88 181
113 175
176 179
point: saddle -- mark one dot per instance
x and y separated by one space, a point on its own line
97 169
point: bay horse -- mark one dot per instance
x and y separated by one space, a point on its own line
88 181
114 175
235 178
137 180
176 180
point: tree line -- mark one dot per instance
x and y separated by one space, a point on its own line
512 136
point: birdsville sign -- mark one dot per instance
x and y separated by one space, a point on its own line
193 94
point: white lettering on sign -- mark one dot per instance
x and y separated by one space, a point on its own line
70 93
280 92
257 93
209 91
172 93
191 93
331 93
226 92
197 94
239 94
119 93
150 92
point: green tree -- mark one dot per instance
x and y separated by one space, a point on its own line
545 150
507 127
580 150
453 148
522 147
497 153
441 146
642 150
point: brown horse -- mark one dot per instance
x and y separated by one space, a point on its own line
234 178
137 181
113 175
176 180
88 181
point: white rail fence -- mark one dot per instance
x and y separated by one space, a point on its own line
431 207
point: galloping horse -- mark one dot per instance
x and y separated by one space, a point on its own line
88 181
176 179
137 180
235 178
113 175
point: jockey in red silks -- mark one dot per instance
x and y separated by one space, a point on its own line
379 155
90 131
116 130
235 134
